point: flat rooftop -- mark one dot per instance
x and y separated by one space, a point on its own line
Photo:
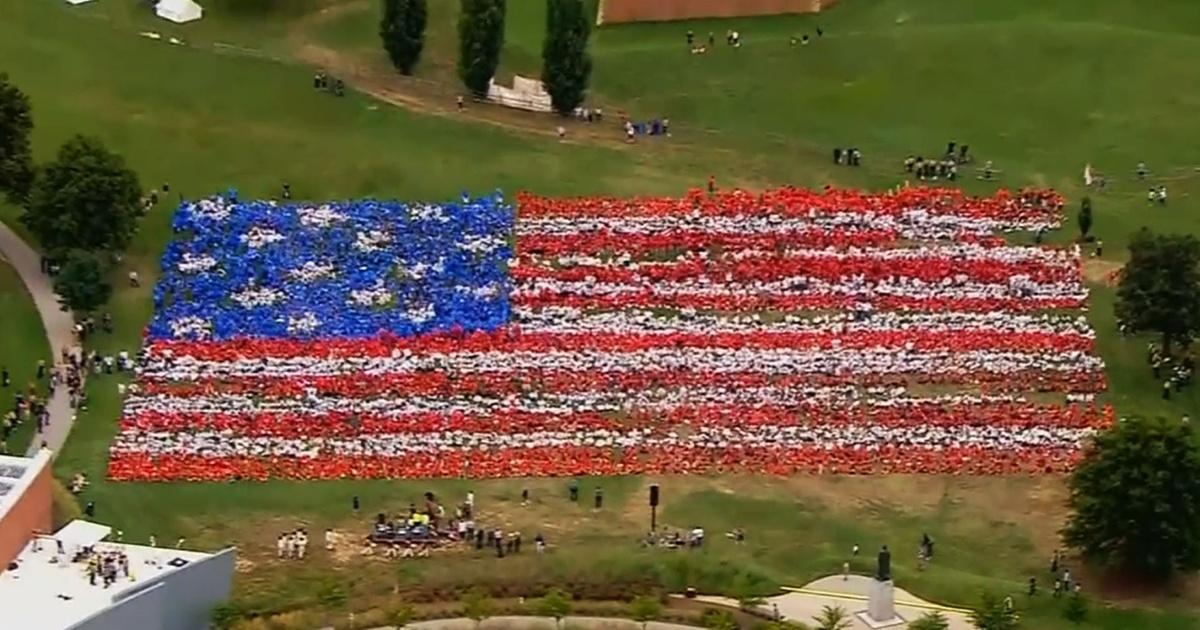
49 592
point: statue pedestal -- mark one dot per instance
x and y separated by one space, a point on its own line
881 606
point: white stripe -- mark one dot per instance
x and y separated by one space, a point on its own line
863 436
767 361
948 252
565 319
912 224
797 286
575 402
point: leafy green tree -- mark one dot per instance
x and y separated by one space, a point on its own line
16 158
932 620
833 618
477 605
566 64
1076 610
80 283
555 603
645 609
1135 499
402 30
1085 216
993 614
401 616
85 199
1160 286
480 38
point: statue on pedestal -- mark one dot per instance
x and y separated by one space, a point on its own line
883 572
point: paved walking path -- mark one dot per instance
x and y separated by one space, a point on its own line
59 331
539 623
850 593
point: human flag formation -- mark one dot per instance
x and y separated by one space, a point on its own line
785 332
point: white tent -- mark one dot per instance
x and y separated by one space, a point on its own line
78 1
179 10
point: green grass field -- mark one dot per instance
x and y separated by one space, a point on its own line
22 344
1039 88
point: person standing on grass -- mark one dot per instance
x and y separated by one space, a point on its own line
4 378
599 498
459 102
712 184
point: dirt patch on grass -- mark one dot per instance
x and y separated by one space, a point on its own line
1035 506
373 76
1100 271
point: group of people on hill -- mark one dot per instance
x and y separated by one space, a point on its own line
420 530
292 545
733 39
1175 372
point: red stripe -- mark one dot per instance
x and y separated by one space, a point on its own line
649 299
1041 205
641 244
574 461
515 340
830 268
508 383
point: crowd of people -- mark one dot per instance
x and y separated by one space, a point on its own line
31 403
586 375
1175 372
292 545
945 167
421 530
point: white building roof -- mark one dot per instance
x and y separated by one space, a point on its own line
49 592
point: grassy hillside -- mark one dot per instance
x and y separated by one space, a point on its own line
22 344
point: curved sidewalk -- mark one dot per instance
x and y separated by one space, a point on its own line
59 328
521 622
